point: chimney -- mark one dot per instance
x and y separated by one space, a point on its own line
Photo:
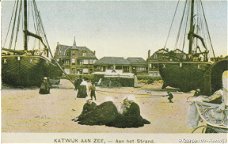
94 52
148 53
74 43
57 43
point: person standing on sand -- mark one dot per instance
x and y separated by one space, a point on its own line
45 86
77 83
82 90
92 89
170 97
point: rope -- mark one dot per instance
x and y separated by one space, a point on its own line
28 21
12 33
148 95
171 24
180 26
48 46
103 91
34 25
38 29
203 29
33 17
207 28
185 31
120 92
10 23
18 24
200 28
197 25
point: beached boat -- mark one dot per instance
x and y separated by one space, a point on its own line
189 70
27 67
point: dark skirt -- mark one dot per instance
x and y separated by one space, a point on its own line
101 115
82 93
131 118
44 89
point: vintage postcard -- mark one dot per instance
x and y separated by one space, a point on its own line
75 71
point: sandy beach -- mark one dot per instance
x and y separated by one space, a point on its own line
25 110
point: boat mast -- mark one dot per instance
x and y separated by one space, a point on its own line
25 26
191 31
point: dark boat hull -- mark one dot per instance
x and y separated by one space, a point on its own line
186 76
26 71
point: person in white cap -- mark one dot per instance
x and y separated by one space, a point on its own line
45 86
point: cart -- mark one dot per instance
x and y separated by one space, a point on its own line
214 115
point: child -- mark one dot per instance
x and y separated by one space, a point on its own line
170 97
92 89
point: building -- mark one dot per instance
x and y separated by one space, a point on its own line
112 64
163 55
119 64
75 59
137 65
154 59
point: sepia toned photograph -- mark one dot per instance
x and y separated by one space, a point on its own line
114 71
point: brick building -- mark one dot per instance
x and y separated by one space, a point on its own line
75 59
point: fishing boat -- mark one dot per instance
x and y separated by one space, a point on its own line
190 70
26 67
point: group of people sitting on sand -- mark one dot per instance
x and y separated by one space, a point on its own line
107 113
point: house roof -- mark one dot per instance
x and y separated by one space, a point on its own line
80 48
63 48
162 51
112 60
136 61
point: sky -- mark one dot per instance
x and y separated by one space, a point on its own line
119 28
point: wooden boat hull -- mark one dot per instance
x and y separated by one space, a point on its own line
26 71
186 76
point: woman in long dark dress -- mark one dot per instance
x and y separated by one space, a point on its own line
130 117
45 86
82 90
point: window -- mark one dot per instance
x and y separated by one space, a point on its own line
88 61
85 70
73 53
83 54
125 69
110 67
67 53
85 61
119 67
67 62
72 60
140 69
